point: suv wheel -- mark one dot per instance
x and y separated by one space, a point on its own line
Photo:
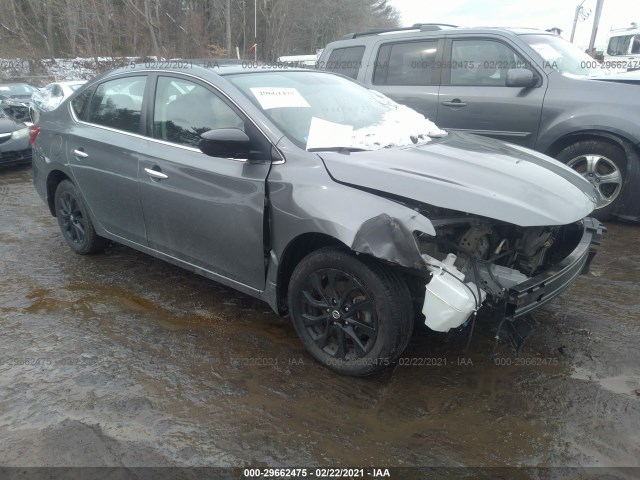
602 164
73 219
352 315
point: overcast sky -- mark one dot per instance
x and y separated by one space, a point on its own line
542 14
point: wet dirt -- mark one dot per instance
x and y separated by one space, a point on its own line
120 359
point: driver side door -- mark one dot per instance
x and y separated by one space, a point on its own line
205 211
474 97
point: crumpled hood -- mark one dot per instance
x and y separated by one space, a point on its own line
473 174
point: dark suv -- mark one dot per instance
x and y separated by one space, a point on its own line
524 86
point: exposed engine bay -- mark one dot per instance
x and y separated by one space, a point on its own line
475 261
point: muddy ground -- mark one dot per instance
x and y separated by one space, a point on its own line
121 359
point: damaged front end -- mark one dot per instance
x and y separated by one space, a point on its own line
477 262
16 109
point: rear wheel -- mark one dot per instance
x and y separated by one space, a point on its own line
73 219
603 164
352 315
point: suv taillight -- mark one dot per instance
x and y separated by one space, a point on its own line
34 130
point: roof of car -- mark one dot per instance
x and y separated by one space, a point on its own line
234 70
430 29
221 70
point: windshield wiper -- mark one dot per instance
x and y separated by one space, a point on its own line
337 149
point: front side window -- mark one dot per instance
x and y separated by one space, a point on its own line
118 104
184 110
411 63
482 62
346 61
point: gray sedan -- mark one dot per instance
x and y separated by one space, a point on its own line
334 204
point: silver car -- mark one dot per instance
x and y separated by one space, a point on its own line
50 96
354 215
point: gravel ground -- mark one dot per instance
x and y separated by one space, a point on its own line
120 359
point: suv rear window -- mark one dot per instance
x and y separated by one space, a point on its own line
410 63
346 61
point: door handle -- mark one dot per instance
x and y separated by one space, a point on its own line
155 173
456 102
80 153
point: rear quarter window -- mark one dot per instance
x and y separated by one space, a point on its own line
346 61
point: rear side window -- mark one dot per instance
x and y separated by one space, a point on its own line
346 61
80 104
118 104
410 63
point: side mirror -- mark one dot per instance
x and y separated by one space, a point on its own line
520 77
225 142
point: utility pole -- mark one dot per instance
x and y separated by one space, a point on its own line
575 20
227 15
594 31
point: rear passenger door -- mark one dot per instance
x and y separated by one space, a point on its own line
103 149
474 97
409 73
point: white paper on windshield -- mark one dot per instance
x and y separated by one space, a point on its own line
325 134
272 97
4 88
546 51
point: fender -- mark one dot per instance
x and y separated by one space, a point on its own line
362 221
582 123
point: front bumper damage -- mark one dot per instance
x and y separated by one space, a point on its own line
450 302
524 298
536 291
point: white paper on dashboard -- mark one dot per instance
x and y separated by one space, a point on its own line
325 134
273 97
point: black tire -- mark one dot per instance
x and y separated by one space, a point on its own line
374 319
606 171
74 221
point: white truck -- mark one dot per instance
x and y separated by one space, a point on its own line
623 49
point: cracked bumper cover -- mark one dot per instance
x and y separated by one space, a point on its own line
535 292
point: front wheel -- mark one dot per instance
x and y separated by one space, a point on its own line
73 219
603 164
352 315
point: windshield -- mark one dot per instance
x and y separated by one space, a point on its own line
562 56
320 111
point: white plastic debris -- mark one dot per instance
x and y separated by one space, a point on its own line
449 300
